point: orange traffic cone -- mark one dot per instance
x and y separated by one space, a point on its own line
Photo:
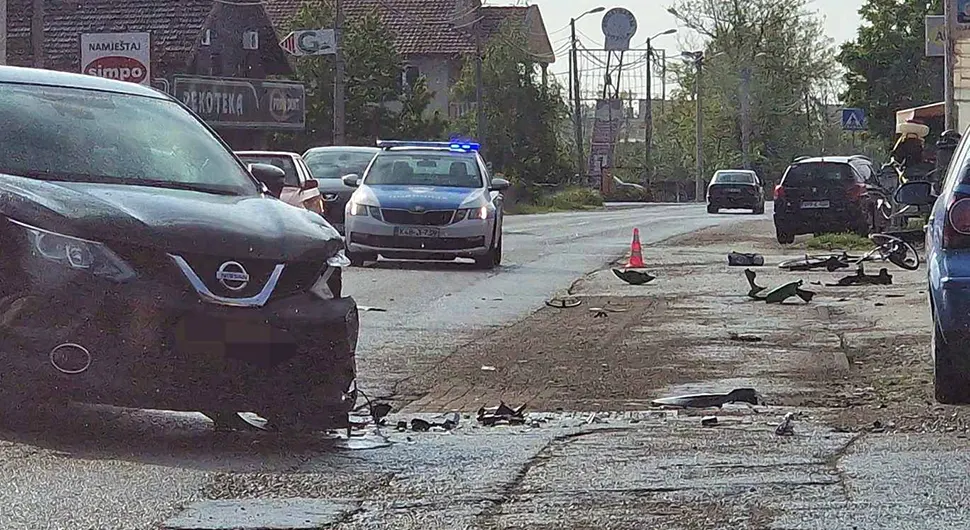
636 253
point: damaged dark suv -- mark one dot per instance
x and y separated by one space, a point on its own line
145 266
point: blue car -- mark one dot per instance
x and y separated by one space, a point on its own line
948 262
425 200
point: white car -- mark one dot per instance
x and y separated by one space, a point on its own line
300 189
425 200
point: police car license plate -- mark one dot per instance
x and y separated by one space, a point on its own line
416 231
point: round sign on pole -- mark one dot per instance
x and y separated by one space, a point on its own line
619 26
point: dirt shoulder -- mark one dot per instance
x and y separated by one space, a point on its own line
859 356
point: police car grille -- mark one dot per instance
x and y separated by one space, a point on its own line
431 218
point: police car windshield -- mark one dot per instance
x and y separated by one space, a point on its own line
447 169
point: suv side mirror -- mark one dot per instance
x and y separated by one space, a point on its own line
271 176
917 193
499 185
310 184
352 180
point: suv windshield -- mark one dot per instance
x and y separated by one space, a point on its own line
452 170
734 178
335 163
817 173
285 163
69 134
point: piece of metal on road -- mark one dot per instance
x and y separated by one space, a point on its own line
261 514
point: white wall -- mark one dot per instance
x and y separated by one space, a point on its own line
437 71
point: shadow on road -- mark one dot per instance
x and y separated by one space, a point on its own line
163 438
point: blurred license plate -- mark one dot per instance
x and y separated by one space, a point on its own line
416 231
815 204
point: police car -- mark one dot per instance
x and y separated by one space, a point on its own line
425 200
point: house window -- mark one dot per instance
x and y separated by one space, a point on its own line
409 76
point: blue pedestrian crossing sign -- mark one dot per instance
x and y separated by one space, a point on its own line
853 120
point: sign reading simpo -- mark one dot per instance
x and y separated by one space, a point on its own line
122 56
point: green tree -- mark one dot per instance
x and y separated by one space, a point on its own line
886 67
523 118
377 106
789 64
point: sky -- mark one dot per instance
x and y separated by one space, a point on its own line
841 21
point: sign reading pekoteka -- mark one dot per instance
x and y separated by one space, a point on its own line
122 56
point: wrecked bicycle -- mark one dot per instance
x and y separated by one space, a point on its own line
888 248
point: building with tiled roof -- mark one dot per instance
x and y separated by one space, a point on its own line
176 28
435 36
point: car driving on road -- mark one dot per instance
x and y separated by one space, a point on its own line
426 200
948 264
300 189
329 165
735 188
824 194
144 266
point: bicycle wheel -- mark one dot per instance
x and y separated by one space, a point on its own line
896 251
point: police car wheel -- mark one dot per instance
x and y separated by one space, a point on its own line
494 256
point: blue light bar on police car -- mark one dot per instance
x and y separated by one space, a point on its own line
452 146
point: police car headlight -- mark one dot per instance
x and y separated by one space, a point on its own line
471 214
358 209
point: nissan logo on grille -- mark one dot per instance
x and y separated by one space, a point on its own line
233 276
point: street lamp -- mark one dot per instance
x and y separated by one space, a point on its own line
648 140
697 58
574 90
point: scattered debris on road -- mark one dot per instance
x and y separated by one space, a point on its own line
421 425
564 303
634 277
366 309
786 427
488 368
861 278
379 411
744 337
737 259
709 421
602 312
501 414
706 401
779 294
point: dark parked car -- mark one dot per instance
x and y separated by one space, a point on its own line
735 188
331 164
144 266
825 194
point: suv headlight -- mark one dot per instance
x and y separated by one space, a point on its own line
330 284
77 253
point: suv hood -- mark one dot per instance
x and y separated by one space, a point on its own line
170 220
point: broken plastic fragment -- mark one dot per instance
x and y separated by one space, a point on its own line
790 289
702 401
634 277
785 428
860 278
564 303
709 421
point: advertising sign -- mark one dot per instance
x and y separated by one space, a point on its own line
237 103
121 56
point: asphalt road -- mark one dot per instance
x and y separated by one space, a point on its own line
103 468
431 309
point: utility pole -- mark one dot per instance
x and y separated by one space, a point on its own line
577 104
663 81
648 126
339 99
698 84
37 33
746 116
3 32
949 33
479 89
